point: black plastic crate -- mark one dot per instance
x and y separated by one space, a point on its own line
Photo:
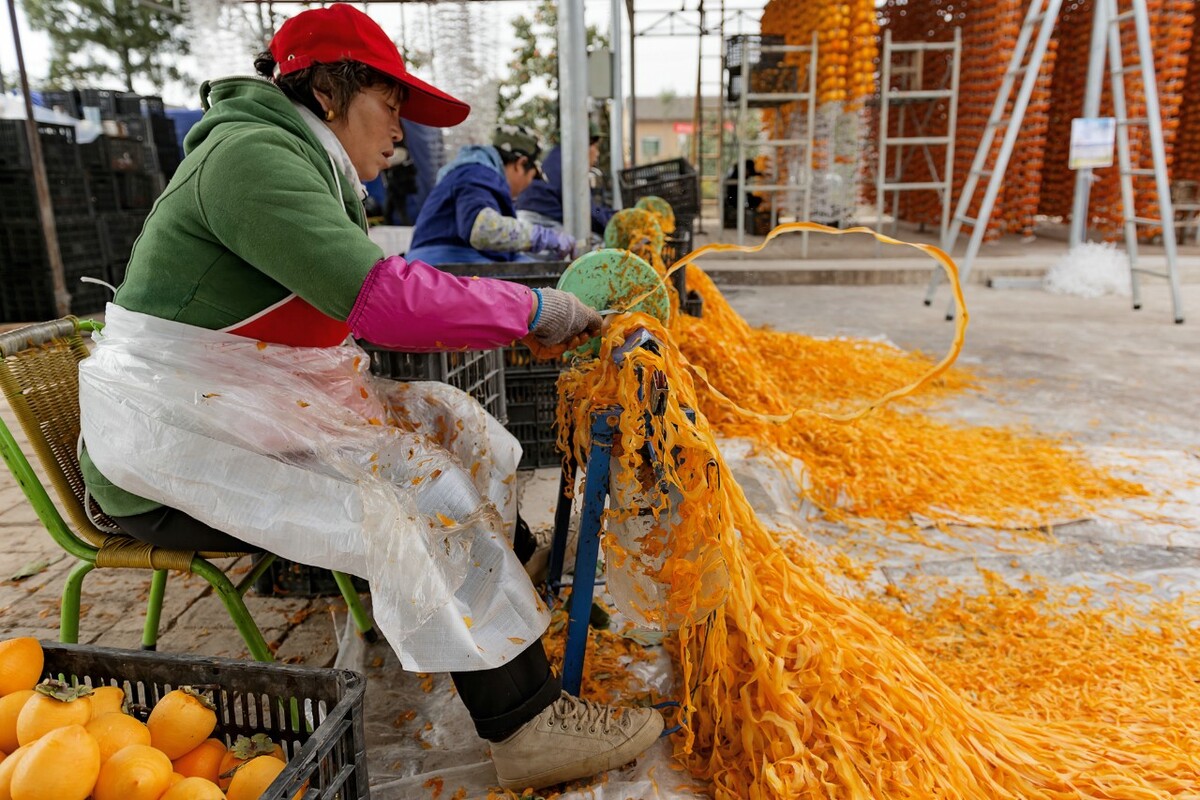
118 231
532 399
69 195
134 126
316 715
60 152
113 154
78 239
64 101
28 294
154 105
128 103
168 160
746 50
693 305
103 99
674 181
289 579
162 131
102 189
135 190
115 272
479 373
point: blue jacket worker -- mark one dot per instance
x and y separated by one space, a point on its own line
542 202
470 215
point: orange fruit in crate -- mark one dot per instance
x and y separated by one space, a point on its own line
116 731
10 707
21 662
136 772
246 749
7 767
107 699
63 764
194 789
181 720
202 761
251 779
54 705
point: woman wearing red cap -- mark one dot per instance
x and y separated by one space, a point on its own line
224 407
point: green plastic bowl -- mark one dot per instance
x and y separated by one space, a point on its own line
609 280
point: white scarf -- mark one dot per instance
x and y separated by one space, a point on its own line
338 156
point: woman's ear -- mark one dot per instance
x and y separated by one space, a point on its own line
324 99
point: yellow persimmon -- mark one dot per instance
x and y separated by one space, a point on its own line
136 772
10 707
251 779
21 662
54 704
194 789
202 761
63 764
181 720
115 731
245 749
107 699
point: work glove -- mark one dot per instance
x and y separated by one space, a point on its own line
562 317
560 243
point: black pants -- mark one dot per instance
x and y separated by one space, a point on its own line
500 700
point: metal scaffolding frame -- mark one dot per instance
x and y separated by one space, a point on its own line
913 96
797 151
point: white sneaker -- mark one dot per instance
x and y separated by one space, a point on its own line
573 739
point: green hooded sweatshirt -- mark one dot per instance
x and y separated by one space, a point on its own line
255 213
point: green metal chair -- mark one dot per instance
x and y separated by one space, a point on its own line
39 375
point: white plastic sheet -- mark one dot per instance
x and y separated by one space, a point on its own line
301 452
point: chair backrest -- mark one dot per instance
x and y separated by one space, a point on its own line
39 376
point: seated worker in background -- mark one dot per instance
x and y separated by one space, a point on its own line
469 217
542 202
753 201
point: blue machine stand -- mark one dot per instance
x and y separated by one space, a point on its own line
595 494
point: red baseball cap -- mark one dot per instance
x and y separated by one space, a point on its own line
341 31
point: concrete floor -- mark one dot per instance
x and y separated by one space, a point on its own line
1093 369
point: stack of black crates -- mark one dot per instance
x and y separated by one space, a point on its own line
28 290
127 167
100 193
676 182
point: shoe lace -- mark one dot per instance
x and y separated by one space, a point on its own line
570 711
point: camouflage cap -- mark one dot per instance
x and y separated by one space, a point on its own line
517 139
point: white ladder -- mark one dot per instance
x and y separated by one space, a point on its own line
1158 155
1042 16
912 75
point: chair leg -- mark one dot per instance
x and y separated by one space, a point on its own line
362 620
68 624
158 587
236 607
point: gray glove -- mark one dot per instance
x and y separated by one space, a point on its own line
560 243
563 317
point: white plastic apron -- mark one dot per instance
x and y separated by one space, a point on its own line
302 452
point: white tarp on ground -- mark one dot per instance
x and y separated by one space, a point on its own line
421 739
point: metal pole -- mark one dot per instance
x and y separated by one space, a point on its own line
697 109
62 298
616 128
633 139
572 104
721 125
1093 88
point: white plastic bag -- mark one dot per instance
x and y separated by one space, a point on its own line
303 453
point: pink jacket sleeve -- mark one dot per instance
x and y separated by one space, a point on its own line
413 306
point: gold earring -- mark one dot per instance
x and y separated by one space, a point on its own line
329 115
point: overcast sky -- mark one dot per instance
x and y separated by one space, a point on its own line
665 63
